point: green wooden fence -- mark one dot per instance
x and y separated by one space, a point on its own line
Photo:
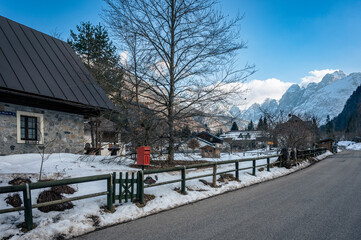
26 189
130 186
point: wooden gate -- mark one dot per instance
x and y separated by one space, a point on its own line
124 187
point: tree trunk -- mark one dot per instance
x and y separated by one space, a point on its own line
92 133
171 149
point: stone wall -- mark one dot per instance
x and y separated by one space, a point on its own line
63 132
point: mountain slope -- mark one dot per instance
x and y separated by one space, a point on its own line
327 97
349 119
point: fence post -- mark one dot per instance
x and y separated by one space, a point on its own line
183 185
141 187
268 162
214 180
28 209
110 193
237 170
120 187
114 177
126 189
254 168
132 188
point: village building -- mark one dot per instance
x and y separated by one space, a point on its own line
46 93
242 140
329 144
295 133
208 144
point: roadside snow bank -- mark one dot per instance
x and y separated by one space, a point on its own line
88 214
355 146
350 145
345 143
323 156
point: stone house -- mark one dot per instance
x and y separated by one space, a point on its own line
46 93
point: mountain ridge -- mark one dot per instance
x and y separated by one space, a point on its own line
326 97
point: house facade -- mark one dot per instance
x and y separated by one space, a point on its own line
245 140
46 93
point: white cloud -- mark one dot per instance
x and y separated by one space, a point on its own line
315 76
257 91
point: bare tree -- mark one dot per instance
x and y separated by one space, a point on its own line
179 56
193 144
291 131
45 152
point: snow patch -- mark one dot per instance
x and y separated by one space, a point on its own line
80 219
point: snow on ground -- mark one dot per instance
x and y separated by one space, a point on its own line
224 156
355 146
323 156
344 143
349 145
79 220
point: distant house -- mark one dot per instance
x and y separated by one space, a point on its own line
46 93
244 140
211 152
327 143
295 133
210 138
209 145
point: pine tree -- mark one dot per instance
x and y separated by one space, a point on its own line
250 126
234 127
93 45
260 125
265 124
186 132
329 126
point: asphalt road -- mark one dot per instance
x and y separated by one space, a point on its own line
320 202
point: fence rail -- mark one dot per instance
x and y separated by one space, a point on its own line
26 189
214 173
132 187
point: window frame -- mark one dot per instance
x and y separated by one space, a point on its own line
27 128
39 127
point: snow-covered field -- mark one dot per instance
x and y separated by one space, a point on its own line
349 145
80 219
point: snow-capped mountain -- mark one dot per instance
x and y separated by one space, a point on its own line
327 97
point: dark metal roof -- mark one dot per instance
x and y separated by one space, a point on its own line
34 63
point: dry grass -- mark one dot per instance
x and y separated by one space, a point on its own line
47 196
147 198
226 178
19 181
14 200
63 189
95 219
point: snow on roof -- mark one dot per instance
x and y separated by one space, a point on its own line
242 135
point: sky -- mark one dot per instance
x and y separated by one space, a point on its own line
289 41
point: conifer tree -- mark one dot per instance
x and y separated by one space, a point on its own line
234 127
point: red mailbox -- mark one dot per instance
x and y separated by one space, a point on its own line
143 156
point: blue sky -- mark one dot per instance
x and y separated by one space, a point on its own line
287 39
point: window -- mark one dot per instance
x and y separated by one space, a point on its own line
28 128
